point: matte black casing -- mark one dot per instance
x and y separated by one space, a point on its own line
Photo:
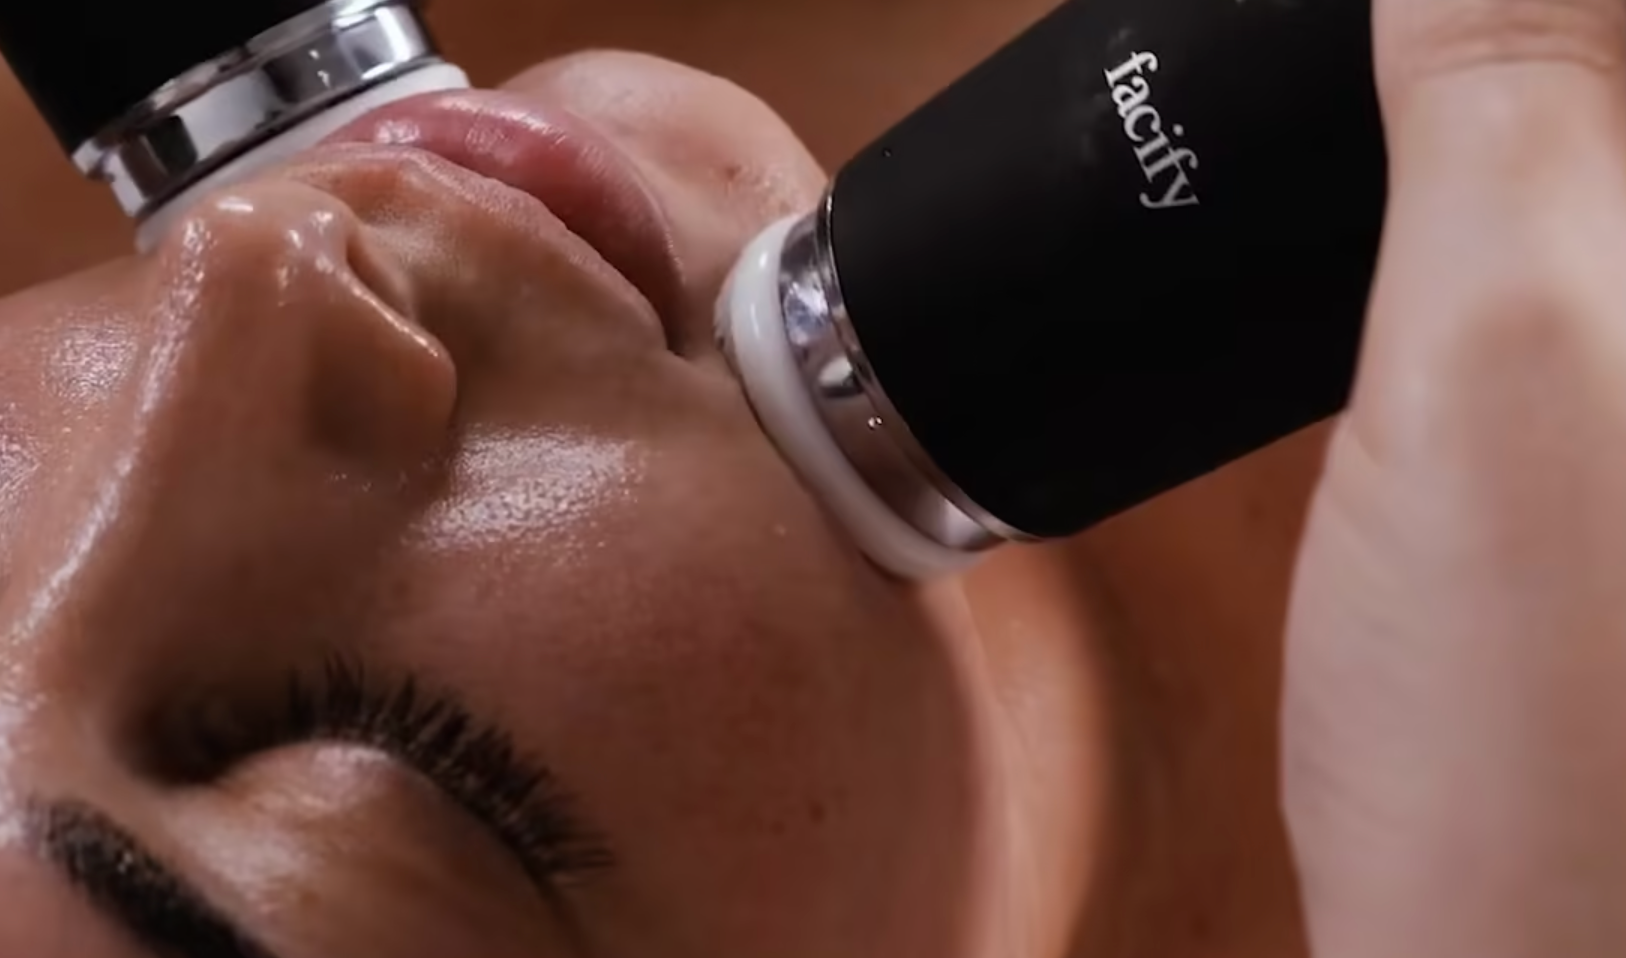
1061 350
86 64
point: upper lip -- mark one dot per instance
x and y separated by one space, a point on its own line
554 155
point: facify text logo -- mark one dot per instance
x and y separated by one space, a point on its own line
1166 164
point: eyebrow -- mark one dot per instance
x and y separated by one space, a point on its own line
134 889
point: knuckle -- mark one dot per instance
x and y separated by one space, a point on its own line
1531 321
1456 36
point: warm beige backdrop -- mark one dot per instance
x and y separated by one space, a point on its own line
1185 597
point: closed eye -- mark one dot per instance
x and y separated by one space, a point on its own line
475 763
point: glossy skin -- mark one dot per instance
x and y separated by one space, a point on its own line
381 406
1178 608
244 454
1151 823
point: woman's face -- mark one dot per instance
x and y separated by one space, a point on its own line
390 565
229 467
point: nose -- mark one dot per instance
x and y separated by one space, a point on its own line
278 416
272 302
290 409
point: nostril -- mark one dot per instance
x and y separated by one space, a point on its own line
384 387
379 272
553 156
301 331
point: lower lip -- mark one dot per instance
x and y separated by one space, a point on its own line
553 155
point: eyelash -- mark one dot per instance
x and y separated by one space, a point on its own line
476 766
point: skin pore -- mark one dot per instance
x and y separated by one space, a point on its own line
755 768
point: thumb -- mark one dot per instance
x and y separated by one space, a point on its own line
1506 124
1453 731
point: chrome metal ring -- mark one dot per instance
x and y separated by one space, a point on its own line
220 109
855 408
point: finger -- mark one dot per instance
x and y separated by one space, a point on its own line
1507 90
1506 122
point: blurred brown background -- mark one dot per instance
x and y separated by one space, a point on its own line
840 71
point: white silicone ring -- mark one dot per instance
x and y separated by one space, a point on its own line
428 79
749 317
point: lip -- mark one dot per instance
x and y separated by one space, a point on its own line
555 156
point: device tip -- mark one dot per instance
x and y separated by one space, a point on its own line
750 324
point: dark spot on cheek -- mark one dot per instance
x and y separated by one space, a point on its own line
817 813
734 176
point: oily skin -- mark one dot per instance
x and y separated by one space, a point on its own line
1175 711
1418 821
303 426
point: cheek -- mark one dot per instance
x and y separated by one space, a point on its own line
773 740
66 395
